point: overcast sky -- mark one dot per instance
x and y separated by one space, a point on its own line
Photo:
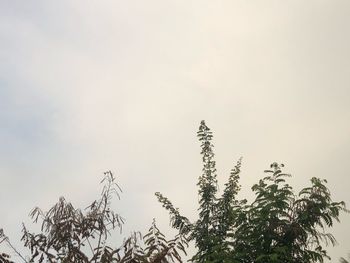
89 86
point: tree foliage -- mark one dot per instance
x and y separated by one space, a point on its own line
83 236
278 226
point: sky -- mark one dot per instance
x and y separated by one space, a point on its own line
90 86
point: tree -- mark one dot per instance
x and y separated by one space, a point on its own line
278 226
81 236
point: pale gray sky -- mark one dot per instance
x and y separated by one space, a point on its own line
88 86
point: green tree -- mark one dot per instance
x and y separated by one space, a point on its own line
278 226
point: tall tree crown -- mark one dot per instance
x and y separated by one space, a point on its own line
278 226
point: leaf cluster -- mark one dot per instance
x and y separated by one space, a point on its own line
278 226
70 235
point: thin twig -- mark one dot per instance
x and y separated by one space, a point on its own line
14 249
